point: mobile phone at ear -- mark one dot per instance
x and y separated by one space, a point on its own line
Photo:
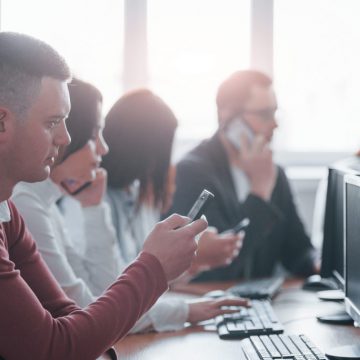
243 224
200 205
236 129
73 192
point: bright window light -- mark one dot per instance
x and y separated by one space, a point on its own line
317 74
193 46
88 33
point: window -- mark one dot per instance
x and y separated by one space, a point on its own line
86 32
317 74
193 47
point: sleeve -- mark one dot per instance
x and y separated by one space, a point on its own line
166 315
55 253
298 254
102 260
50 326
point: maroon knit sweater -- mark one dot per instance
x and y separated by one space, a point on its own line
38 321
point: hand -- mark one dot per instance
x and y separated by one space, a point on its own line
94 194
208 309
257 162
216 250
172 241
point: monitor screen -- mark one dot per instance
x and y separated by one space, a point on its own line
352 245
333 242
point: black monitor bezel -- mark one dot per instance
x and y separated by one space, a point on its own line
350 307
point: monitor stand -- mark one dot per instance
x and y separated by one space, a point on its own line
344 352
331 295
337 318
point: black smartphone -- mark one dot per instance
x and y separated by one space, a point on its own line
78 190
243 224
200 205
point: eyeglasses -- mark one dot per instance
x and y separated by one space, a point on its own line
267 114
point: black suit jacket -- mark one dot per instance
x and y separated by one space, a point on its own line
276 233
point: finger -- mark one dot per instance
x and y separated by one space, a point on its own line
101 173
232 301
224 311
211 229
228 237
197 226
175 221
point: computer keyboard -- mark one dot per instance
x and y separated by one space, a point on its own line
259 319
258 288
297 347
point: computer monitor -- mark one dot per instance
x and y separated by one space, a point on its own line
351 262
352 246
332 264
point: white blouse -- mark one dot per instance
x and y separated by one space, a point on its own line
85 271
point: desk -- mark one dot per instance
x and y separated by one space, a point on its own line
295 308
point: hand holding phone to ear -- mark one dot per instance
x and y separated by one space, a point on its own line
93 194
256 160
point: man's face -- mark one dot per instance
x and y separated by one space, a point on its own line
36 139
259 111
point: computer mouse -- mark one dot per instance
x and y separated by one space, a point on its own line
317 283
214 294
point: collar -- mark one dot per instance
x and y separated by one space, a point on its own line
48 192
5 215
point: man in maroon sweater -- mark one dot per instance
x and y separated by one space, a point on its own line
37 321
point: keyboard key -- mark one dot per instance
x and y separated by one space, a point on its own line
270 346
298 341
250 350
280 346
261 349
290 345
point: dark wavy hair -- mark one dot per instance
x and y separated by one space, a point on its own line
139 130
82 120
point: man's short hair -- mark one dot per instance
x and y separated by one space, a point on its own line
24 61
235 90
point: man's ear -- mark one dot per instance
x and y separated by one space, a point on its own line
2 120
7 121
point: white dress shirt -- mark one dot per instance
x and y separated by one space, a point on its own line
241 182
4 212
82 276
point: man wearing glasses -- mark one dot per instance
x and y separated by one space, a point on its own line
236 164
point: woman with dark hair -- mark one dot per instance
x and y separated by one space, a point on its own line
140 128
139 131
